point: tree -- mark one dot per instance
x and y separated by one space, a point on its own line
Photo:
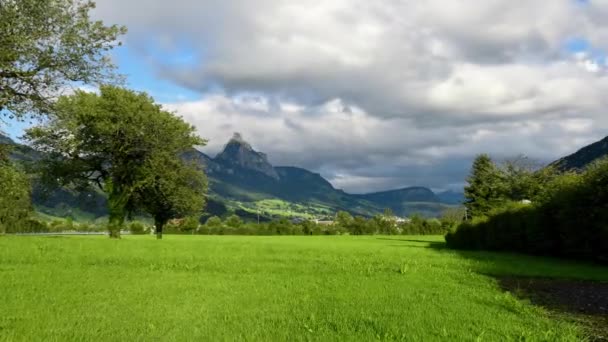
118 140
452 217
386 223
15 204
359 226
177 190
46 45
486 187
214 222
233 221
344 219
524 178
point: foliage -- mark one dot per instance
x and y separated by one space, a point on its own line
233 221
491 186
214 222
485 189
177 190
123 143
46 46
568 218
233 225
343 219
525 179
188 225
35 225
418 225
137 228
452 217
28 225
15 204
326 288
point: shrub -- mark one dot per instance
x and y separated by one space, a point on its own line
29 225
569 219
137 228
213 222
233 221
203 230
15 205
57 226
189 225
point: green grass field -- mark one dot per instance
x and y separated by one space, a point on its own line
210 288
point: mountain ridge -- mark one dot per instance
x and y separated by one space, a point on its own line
239 173
242 180
583 157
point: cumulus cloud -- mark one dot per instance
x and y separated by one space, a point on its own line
378 94
360 152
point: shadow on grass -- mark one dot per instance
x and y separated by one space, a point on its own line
584 303
427 243
570 290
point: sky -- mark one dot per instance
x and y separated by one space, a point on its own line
375 95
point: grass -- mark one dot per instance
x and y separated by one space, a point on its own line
268 288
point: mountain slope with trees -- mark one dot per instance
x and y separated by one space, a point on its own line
242 177
583 157
243 181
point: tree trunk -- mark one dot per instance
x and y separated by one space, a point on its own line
159 228
117 212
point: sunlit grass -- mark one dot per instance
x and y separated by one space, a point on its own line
268 288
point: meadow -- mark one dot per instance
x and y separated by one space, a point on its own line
270 288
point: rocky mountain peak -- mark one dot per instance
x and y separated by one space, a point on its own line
239 152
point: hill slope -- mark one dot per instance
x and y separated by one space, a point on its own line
583 157
243 180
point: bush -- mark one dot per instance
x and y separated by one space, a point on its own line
213 222
29 225
189 225
569 219
233 221
421 226
137 228
57 226
15 204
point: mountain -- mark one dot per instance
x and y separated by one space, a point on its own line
63 202
391 197
17 151
406 201
242 180
239 153
451 197
583 157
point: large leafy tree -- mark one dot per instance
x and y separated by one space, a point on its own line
175 189
525 178
46 45
117 140
486 187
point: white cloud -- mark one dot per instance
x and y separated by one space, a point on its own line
384 92
360 152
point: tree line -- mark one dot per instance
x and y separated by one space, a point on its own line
515 207
344 224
